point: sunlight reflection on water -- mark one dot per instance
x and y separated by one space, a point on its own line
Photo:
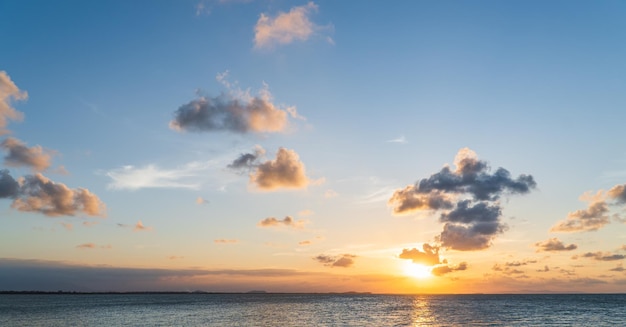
311 310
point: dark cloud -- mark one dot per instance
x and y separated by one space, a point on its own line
9 187
247 161
344 260
619 268
472 177
9 92
507 270
444 269
429 257
553 245
600 256
19 155
36 193
226 113
545 269
286 171
519 263
476 218
287 222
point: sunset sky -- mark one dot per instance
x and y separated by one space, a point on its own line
327 146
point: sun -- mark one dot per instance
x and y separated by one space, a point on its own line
417 270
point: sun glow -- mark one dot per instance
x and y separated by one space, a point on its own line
417 270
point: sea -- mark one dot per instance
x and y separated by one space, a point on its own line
311 310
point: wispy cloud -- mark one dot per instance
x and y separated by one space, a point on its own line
9 92
401 140
225 241
151 176
90 246
285 28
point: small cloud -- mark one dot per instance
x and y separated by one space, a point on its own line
19 155
284 172
286 222
139 227
175 257
343 261
67 226
441 270
553 245
9 92
305 243
247 162
90 223
401 140
545 269
305 213
225 241
330 194
428 257
600 256
590 219
286 28
201 201
619 268
89 246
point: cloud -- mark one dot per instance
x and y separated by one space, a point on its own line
406 201
428 257
175 257
305 243
344 260
441 270
553 245
224 241
619 268
475 220
19 155
285 28
36 193
200 200
227 112
151 176
401 140
286 222
545 269
67 226
590 219
9 92
618 192
139 227
596 215
600 256
90 246
286 171
330 194
247 162
9 187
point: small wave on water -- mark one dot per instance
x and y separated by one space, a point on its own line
311 310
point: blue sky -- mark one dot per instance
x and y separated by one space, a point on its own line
364 98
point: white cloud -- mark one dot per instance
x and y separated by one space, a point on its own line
151 176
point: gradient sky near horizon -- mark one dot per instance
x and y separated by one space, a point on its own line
326 146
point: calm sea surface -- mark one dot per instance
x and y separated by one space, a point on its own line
311 310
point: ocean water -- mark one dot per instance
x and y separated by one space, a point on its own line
311 310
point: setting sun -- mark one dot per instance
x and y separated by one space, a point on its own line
417 270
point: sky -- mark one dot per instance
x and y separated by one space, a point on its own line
326 146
